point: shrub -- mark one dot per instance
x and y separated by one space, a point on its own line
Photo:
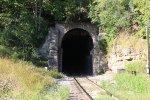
22 37
103 45
101 70
112 16
4 51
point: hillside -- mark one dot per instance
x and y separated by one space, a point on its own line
21 80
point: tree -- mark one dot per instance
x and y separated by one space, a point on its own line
142 18
24 23
22 27
112 16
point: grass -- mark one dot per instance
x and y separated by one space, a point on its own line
136 65
61 93
135 43
139 83
104 97
52 73
130 87
21 80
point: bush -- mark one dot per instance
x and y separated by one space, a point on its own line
4 52
112 16
39 63
22 37
103 45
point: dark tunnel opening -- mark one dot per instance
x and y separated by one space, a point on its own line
76 57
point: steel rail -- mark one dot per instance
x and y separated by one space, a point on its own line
83 89
108 92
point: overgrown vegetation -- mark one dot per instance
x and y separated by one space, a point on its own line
19 30
139 83
115 17
21 80
138 66
4 52
23 27
112 16
103 45
129 43
128 86
133 84
24 24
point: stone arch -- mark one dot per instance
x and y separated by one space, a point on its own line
52 51
76 46
90 28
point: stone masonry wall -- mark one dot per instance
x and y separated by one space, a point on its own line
118 58
51 49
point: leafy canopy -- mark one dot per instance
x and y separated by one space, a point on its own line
114 16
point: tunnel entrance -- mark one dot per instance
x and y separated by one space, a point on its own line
76 56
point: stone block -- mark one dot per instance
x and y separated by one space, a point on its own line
129 58
126 51
119 71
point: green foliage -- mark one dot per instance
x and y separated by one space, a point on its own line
117 16
22 37
141 8
111 15
19 31
67 10
40 63
141 32
52 73
138 66
55 74
103 45
4 52
24 24
101 71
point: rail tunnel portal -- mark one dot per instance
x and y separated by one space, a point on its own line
77 45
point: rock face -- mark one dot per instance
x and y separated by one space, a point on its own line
52 51
118 58
49 49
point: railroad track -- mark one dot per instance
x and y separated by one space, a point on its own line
86 89
108 92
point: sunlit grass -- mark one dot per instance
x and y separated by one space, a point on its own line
135 43
129 87
139 83
21 80
137 65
